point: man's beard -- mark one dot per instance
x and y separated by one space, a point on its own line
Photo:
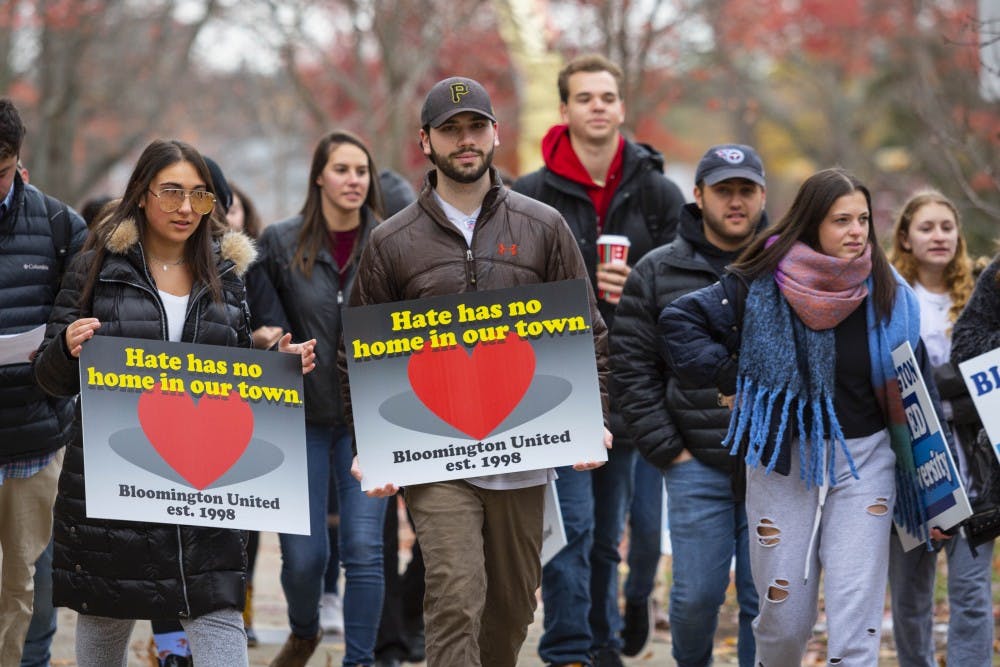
722 231
444 165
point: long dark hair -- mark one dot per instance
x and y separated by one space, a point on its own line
198 253
312 235
812 203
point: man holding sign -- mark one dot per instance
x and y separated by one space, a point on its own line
480 536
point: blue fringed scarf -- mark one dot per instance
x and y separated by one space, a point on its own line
786 366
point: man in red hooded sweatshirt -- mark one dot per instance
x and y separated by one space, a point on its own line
602 183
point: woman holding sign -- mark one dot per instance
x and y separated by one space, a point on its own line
157 271
929 250
311 259
798 338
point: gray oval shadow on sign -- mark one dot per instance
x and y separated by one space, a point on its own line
544 394
259 458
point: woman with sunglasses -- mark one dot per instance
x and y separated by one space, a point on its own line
157 271
311 259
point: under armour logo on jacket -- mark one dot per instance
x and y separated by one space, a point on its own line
501 248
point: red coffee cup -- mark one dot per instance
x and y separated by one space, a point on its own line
611 249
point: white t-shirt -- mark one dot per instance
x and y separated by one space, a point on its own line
935 327
464 223
935 330
176 308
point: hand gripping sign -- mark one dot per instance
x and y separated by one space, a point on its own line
473 384
199 435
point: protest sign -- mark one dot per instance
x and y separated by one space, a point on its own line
472 384
200 435
982 377
945 500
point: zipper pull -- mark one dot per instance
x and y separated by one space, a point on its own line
340 297
472 265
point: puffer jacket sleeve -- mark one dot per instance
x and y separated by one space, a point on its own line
977 329
566 263
640 370
700 332
56 372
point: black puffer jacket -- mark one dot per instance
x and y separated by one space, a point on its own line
645 208
977 329
664 415
312 305
31 422
126 569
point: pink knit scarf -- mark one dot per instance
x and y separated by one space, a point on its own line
822 290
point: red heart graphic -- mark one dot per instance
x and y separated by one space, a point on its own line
473 393
201 442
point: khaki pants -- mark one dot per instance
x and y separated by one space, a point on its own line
25 529
481 551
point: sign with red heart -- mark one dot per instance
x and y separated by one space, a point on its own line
473 392
193 434
474 384
179 430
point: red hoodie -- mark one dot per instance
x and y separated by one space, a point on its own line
561 159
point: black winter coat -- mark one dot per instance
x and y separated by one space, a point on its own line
663 415
977 329
32 423
313 306
128 569
645 208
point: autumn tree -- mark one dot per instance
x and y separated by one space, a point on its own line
886 89
95 79
370 65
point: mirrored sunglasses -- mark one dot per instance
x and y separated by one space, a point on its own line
171 199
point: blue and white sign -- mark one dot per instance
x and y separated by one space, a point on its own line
946 502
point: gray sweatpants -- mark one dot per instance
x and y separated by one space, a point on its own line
850 546
217 640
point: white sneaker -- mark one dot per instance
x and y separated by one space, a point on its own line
331 614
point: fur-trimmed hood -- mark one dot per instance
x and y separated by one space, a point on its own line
234 246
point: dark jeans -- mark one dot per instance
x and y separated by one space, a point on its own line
304 557
580 584
38 642
708 527
645 531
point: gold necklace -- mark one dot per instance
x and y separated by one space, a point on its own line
164 263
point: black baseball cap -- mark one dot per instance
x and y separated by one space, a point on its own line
453 96
730 161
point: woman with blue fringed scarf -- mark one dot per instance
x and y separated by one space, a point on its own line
798 338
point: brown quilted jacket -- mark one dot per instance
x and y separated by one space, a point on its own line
419 253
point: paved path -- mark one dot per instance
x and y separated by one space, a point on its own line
271 625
